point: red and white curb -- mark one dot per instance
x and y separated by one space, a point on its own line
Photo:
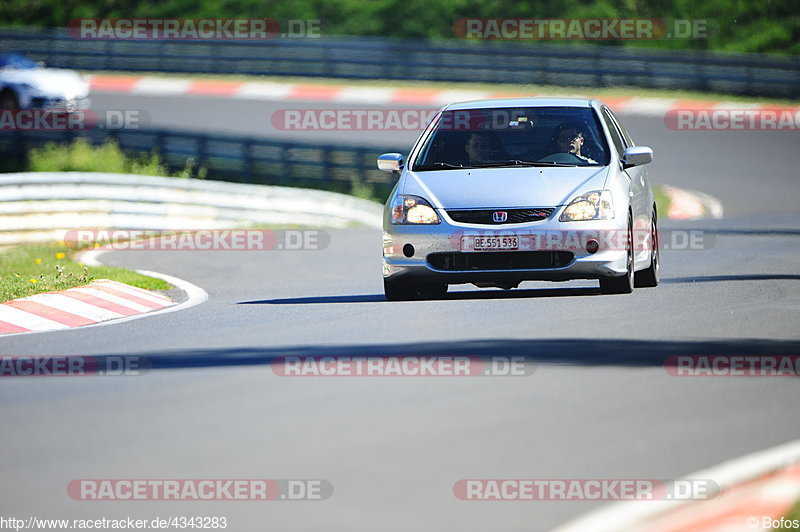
760 485
99 301
374 95
691 204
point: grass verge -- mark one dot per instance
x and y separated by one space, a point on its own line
81 156
793 515
36 268
662 202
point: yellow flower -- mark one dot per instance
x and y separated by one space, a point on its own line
97 245
60 255
80 264
38 261
62 243
34 281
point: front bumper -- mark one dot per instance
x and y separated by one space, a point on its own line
548 250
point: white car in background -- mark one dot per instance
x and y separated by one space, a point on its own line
25 84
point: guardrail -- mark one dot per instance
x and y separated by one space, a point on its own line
406 59
43 205
232 158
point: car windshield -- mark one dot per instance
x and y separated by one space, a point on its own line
522 136
16 61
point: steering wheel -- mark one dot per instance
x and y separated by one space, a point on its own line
562 158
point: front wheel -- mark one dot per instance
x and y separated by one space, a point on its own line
624 283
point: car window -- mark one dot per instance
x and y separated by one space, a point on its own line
616 137
625 136
485 137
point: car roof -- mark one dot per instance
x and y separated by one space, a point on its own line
498 103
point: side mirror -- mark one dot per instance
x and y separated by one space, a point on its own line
637 156
390 162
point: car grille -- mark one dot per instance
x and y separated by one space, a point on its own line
500 260
515 216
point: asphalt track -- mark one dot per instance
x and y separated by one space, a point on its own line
599 405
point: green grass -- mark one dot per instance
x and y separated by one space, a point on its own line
36 268
544 90
82 156
662 202
793 514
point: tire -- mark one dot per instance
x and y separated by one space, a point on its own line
624 283
406 290
8 100
649 278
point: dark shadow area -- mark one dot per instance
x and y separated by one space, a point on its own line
584 352
451 296
748 232
745 277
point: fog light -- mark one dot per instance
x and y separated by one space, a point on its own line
592 246
408 250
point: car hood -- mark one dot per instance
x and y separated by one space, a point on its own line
49 82
504 187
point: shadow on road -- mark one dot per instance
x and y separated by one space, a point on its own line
451 296
589 352
746 277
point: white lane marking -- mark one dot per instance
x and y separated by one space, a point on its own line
450 96
259 90
736 105
647 106
148 296
365 95
622 516
26 320
74 306
136 289
88 290
158 86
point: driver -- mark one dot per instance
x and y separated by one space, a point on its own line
569 139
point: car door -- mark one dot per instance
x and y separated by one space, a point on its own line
639 190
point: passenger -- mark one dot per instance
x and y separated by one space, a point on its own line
484 147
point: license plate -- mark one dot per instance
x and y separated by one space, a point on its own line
495 243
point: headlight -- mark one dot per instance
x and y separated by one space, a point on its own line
413 210
594 205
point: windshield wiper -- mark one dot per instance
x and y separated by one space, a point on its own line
437 166
517 162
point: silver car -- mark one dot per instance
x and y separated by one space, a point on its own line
496 192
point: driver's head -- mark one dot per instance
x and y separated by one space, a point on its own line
481 145
569 137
